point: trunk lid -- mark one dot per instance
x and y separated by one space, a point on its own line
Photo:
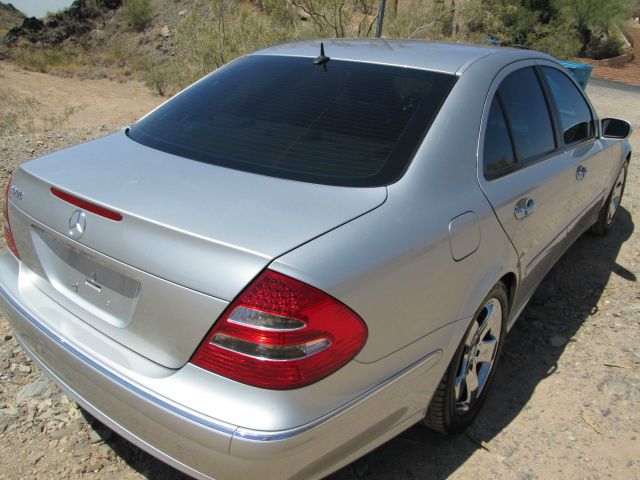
192 235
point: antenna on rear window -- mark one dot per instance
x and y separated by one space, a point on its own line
322 58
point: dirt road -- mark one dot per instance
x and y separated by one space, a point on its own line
565 403
86 102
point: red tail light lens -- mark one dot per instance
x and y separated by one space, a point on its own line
281 334
8 235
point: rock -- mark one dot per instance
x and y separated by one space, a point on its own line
619 388
106 451
94 437
62 417
8 337
182 13
41 387
34 457
45 405
10 412
164 31
557 341
7 422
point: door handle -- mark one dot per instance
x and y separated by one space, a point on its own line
524 208
580 173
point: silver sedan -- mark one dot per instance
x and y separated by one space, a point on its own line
307 251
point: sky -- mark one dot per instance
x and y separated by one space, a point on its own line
38 8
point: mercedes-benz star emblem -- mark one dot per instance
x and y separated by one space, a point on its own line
77 224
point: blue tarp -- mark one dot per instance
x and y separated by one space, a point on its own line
580 71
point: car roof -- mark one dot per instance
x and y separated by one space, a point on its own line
443 57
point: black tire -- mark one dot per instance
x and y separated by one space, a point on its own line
444 413
605 220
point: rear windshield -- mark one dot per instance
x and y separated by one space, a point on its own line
342 123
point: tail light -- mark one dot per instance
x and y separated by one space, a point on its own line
8 235
281 334
88 206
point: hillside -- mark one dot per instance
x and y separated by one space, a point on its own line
10 17
105 39
170 43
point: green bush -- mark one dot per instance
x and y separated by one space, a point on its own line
138 13
41 59
158 79
229 29
607 47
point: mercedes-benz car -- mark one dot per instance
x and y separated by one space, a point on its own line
308 250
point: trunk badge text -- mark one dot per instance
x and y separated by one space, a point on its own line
16 192
77 224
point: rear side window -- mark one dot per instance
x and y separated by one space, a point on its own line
344 123
527 114
576 120
498 151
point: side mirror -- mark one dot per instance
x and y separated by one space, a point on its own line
615 128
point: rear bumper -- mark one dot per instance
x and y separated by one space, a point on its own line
198 444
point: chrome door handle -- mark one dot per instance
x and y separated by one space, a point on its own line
524 208
580 173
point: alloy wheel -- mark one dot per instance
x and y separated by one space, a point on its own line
616 197
478 358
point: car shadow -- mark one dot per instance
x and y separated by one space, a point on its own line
562 303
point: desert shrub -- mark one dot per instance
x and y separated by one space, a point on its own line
16 114
425 20
555 40
605 47
340 18
158 79
41 59
56 121
231 29
138 13
120 50
92 8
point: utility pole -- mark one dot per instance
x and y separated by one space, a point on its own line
380 18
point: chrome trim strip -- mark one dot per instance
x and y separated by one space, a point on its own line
219 427
247 434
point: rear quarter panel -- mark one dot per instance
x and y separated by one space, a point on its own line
394 265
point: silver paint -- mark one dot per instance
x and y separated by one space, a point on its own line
414 259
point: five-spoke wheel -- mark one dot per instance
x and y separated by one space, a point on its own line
480 348
468 377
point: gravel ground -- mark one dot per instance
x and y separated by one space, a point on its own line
565 402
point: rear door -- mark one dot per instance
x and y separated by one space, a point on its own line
578 135
524 172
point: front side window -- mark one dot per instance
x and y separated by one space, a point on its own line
343 123
527 114
576 120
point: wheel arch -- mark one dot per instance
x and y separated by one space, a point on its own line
510 281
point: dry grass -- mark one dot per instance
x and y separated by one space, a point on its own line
16 114
45 60
23 114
